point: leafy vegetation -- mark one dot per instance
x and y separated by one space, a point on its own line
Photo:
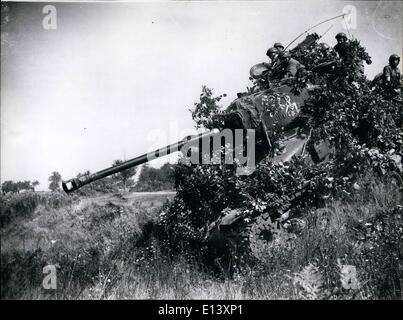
362 126
349 249
16 187
333 228
155 179
205 111
55 181
125 176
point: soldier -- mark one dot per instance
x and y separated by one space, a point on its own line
391 74
342 44
288 65
389 79
278 46
272 53
343 47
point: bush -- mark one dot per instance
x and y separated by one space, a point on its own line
21 205
155 179
17 205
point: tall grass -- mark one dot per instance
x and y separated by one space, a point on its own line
347 250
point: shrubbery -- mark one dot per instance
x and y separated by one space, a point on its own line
363 126
155 179
21 205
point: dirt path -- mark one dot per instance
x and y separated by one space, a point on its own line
130 197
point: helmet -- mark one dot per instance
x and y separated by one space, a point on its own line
324 46
278 45
271 51
341 35
394 57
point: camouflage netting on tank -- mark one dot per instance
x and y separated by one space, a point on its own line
363 126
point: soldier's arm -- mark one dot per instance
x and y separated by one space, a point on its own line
386 73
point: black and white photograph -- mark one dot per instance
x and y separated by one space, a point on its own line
222 151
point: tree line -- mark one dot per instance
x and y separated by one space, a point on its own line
16 187
150 179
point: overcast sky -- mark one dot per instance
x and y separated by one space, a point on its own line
115 80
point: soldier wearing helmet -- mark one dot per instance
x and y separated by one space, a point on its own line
289 66
342 44
341 37
349 56
272 53
278 46
391 74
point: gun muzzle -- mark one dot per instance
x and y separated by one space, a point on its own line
71 185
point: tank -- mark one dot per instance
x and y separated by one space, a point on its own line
267 111
275 115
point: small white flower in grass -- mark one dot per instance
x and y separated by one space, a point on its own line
348 276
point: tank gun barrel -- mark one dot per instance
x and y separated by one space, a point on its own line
76 183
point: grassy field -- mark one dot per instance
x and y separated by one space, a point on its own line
68 222
348 249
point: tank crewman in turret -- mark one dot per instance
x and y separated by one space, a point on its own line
288 66
342 48
342 44
272 53
278 46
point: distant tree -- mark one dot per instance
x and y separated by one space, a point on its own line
156 179
24 185
55 179
16 187
124 176
9 186
34 184
84 174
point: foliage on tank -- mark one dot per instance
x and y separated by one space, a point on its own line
362 125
